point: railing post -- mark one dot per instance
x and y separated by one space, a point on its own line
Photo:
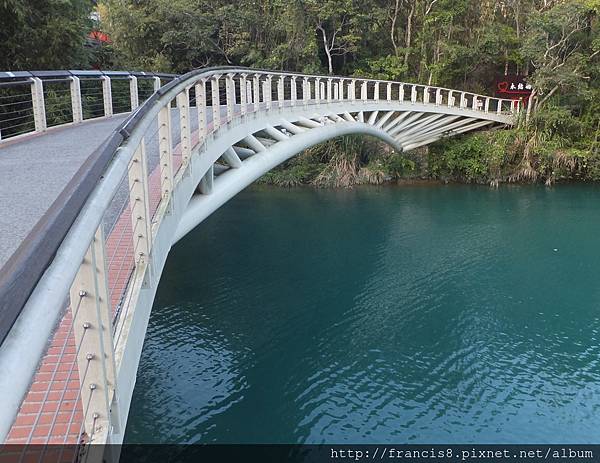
487 105
401 92
92 328
166 150
107 96
230 96
76 107
183 103
413 94
39 107
216 102
438 97
353 90
294 90
139 202
305 90
157 84
336 91
318 90
243 94
329 90
425 95
499 109
201 108
268 90
463 101
450 98
363 91
133 92
280 91
376 91
257 92
323 91
475 103
388 95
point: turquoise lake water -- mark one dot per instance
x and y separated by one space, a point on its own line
421 314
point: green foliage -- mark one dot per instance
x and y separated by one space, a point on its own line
47 34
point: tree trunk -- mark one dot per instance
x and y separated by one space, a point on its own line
327 49
393 28
408 34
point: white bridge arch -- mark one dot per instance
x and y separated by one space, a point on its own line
216 131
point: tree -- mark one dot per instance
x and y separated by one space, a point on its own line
46 34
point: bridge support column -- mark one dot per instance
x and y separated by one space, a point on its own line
165 149
183 103
139 203
92 327
76 107
133 92
107 96
39 107
206 183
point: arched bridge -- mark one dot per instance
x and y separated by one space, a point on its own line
75 296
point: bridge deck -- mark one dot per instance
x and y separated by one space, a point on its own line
50 160
52 411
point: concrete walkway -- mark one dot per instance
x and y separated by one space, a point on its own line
34 170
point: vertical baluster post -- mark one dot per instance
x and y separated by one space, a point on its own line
200 88
92 327
139 203
165 146
76 107
107 96
216 102
39 106
133 92
183 104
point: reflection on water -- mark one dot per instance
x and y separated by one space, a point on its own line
414 314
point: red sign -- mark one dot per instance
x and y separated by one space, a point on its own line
100 37
513 86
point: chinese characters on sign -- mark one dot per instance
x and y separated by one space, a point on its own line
513 86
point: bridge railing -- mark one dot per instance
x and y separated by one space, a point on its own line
94 247
38 100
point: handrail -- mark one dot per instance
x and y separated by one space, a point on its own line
40 273
25 267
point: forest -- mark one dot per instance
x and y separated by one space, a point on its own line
463 44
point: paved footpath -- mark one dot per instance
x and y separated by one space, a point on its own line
34 170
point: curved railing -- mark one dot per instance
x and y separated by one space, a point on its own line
35 101
93 248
